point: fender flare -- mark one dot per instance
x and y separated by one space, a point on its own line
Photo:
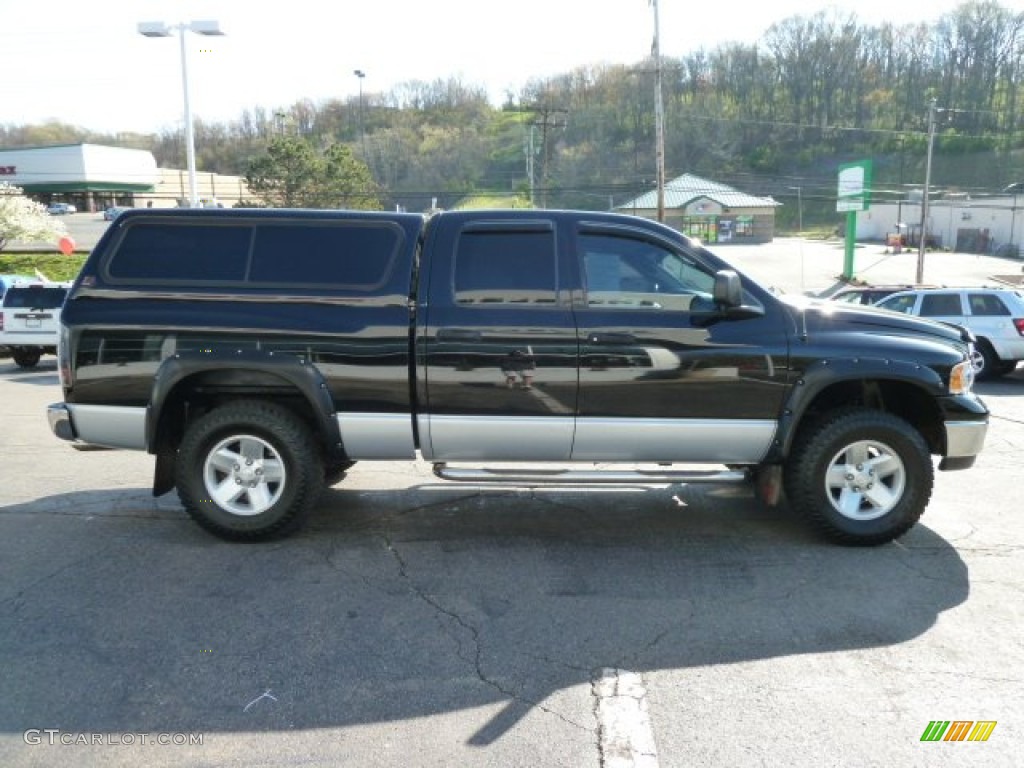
822 374
296 371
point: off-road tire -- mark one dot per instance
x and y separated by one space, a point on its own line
335 473
248 471
860 476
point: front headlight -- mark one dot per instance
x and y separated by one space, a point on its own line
961 378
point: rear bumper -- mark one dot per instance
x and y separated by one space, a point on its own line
108 426
60 422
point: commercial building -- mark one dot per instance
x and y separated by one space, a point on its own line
991 224
710 211
94 177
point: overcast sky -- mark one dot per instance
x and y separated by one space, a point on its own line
84 63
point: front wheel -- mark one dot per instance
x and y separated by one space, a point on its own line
985 361
862 477
248 471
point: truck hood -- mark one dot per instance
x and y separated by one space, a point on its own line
813 316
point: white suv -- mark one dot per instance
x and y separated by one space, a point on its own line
30 319
994 315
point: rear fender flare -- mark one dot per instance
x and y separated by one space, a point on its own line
298 372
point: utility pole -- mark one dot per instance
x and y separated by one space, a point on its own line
546 121
530 155
924 196
659 116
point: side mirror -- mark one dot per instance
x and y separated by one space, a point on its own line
728 292
727 296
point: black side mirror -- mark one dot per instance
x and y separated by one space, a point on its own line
728 292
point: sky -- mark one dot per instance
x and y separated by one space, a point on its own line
84 63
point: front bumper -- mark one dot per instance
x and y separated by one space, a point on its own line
964 441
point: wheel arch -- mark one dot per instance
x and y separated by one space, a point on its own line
907 390
188 385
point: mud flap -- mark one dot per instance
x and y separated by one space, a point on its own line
163 472
768 481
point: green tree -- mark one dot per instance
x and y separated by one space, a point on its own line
25 220
347 181
292 174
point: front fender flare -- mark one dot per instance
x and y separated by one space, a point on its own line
822 374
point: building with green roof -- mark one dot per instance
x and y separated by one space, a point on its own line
709 211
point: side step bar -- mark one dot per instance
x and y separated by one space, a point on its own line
533 476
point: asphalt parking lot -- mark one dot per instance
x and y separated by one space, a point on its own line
419 623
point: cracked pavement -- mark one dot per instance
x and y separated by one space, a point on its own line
419 622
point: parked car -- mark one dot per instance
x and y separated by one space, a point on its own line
30 319
994 315
870 294
113 212
58 209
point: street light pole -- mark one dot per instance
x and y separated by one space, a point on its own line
659 117
161 29
924 196
362 136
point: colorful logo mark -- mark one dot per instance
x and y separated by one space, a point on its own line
958 730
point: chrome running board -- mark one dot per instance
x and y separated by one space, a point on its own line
538 476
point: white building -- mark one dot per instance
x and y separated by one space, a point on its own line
94 177
989 225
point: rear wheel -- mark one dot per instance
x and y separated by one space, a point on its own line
861 477
26 357
248 471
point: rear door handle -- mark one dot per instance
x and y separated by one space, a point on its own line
458 334
611 338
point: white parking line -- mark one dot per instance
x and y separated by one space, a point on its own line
624 724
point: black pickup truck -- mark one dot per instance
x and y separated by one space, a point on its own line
259 354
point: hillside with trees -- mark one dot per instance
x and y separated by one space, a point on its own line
770 117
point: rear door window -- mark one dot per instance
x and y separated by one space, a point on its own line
986 305
505 267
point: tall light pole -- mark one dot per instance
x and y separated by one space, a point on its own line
924 196
659 116
362 136
162 29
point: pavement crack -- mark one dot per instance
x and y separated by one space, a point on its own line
474 634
